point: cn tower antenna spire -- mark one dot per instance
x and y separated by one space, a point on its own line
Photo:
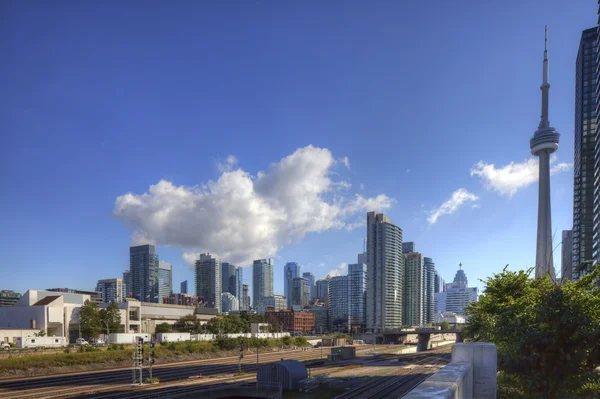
544 123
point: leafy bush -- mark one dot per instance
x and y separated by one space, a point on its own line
164 328
62 359
300 341
287 341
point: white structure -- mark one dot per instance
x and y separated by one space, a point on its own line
457 295
450 318
10 335
173 337
384 273
41 342
544 143
229 303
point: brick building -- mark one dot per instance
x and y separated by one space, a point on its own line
292 321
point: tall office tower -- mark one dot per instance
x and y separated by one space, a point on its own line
414 289
229 303
322 289
239 280
228 278
143 266
165 281
567 256
439 283
277 302
357 297
363 258
262 280
408 247
428 298
596 247
585 191
385 273
184 287
543 143
245 299
300 292
457 295
110 289
291 270
310 281
338 303
208 281
127 285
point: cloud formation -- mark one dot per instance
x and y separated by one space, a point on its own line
508 179
458 198
241 217
341 270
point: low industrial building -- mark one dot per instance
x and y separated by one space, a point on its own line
10 335
292 321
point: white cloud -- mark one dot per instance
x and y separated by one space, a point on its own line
241 217
508 179
346 162
341 270
458 198
407 171
229 164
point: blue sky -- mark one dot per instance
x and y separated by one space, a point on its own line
302 115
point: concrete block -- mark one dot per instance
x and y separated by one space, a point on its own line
484 358
451 382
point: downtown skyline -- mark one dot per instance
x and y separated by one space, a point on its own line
478 164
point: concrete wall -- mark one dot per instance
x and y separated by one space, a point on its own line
11 334
470 375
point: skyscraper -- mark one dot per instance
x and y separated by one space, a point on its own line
544 142
585 195
310 281
245 300
338 303
322 289
300 292
567 256
439 284
127 285
228 278
143 266
165 281
239 280
229 302
429 286
262 280
357 296
208 281
184 287
408 247
414 289
457 295
290 272
385 273
110 289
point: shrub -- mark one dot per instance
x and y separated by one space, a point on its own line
287 341
300 341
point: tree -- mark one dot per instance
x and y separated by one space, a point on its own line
189 323
89 320
547 335
444 325
164 328
110 318
41 333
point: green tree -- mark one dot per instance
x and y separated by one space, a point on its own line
189 323
110 317
41 333
89 317
444 325
547 335
287 340
164 328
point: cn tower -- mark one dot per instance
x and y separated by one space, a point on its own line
544 142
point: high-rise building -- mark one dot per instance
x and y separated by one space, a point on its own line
262 280
567 256
429 315
310 281
143 266
414 289
594 88
245 300
228 278
322 289
363 258
385 273
543 143
110 289
300 292
229 303
439 283
239 280
127 285
357 297
321 318
277 302
291 270
9 298
585 250
338 303
184 287
165 281
208 281
408 247
457 295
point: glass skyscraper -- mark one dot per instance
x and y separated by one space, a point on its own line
111 290
208 281
143 267
357 297
228 278
429 286
262 280
310 281
165 281
184 287
338 303
290 272
414 289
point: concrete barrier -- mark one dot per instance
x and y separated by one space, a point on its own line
470 375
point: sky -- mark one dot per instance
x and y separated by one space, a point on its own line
255 129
